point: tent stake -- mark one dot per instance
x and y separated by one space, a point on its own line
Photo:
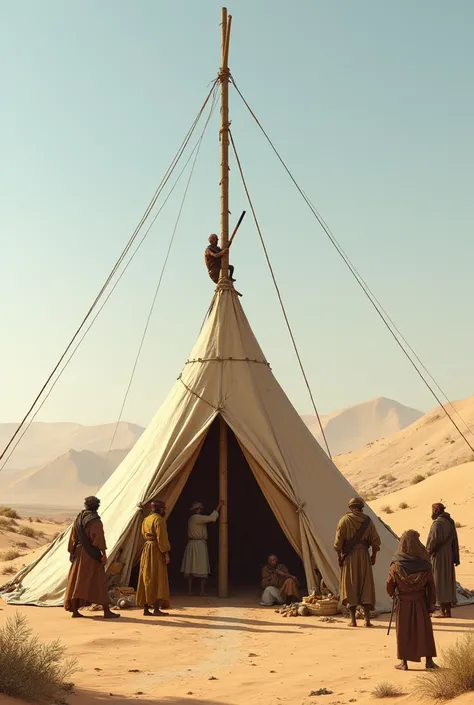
223 523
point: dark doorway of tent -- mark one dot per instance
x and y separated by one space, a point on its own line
254 531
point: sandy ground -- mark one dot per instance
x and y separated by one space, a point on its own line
256 655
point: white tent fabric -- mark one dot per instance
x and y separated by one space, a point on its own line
226 374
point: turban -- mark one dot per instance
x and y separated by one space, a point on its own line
356 502
438 507
196 505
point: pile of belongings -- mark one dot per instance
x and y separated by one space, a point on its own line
123 597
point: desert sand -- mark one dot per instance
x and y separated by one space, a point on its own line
255 655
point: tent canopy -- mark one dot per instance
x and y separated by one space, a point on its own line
226 374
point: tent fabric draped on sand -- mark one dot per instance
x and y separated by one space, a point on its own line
226 374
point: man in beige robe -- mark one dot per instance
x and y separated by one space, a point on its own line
196 557
355 535
443 548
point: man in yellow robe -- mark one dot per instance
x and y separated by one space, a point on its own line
355 535
153 587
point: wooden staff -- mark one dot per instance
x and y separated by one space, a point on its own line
236 228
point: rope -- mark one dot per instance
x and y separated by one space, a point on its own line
365 288
159 190
170 244
279 294
227 359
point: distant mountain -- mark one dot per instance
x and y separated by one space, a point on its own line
353 427
430 445
43 442
63 482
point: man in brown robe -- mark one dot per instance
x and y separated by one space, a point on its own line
278 585
87 583
443 547
212 258
153 588
410 582
355 535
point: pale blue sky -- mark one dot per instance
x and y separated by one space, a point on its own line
372 105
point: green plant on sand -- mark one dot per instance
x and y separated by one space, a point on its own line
31 670
456 675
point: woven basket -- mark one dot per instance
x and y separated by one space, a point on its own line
328 608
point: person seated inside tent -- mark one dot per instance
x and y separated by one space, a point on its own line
279 586
196 556
212 257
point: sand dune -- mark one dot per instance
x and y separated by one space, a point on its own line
429 445
45 442
63 482
352 428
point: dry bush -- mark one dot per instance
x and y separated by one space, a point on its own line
458 525
387 509
368 496
9 513
403 505
456 675
29 669
38 520
390 478
387 690
21 544
10 555
9 570
29 532
417 479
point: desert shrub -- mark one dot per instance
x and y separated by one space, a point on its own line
21 544
9 570
458 525
456 675
29 669
29 532
368 496
38 520
417 479
403 505
390 478
383 477
10 555
387 690
387 509
9 513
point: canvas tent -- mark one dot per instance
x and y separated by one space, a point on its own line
225 376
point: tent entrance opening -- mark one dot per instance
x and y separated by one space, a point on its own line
254 531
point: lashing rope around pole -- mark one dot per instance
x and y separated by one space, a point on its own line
392 328
277 289
115 268
160 279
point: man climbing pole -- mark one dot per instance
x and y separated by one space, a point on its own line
212 257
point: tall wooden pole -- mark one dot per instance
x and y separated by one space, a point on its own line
224 139
223 588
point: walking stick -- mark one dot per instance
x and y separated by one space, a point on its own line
236 228
394 602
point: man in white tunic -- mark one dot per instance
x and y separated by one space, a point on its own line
196 556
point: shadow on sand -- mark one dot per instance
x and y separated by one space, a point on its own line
89 697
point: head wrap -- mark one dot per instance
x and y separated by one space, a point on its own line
156 505
211 237
92 503
196 505
438 507
356 502
411 555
